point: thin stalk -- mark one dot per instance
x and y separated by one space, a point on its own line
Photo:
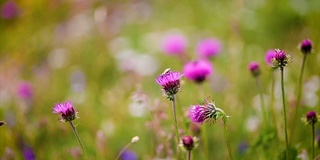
293 121
189 155
78 138
274 116
312 144
264 111
123 149
284 113
205 141
226 137
176 123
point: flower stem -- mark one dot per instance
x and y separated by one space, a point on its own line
293 121
264 111
176 123
204 128
78 138
123 149
272 104
226 136
189 155
284 113
312 144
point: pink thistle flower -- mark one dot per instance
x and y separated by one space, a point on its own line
200 113
66 110
208 48
281 59
174 44
24 90
312 117
170 82
269 56
306 46
9 10
254 68
198 70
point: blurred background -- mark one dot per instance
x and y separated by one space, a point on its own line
104 56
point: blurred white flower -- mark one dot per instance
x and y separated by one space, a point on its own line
57 58
252 123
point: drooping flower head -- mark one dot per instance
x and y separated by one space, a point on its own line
66 110
170 82
270 54
208 48
198 70
207 112
281 59
306 46
254 68
174 44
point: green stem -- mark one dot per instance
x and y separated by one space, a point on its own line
204 128
264 111
189 155
78 138
122 150
226 136
293 121
284 113
272 103
312 144
176 123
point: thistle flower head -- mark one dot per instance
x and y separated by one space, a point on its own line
170 82
306 46
270 54
311 117
66 110
198 70
254 68
174 44
188 143
208 48
281 59
206 113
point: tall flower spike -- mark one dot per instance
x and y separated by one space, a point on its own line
306 46
170 82
281 59
66 110
198 70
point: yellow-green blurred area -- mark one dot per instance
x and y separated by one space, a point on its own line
104 56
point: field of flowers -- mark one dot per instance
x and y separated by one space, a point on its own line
155 80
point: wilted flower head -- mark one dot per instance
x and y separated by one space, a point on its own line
174 44
198 70
170 82
24 90
207 112
66 110
311 117
188 142
254 68
9 10
306 46
281 59
270 54
208 48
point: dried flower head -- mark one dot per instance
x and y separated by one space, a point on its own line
254 68
68 113
281 59
208 48
188 143
206 113
198 70
170 82
306 46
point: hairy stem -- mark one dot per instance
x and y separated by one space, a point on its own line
226 137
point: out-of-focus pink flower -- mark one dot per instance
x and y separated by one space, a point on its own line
208 48
254 68
306 46
198 70
24 90
270 54
9 10
174 44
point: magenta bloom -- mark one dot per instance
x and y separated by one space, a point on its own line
200 113
198 70
269 56
24 90
170 82
66 110
9 10
174 44
312 117
306 46
281 59
208 48
254 68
